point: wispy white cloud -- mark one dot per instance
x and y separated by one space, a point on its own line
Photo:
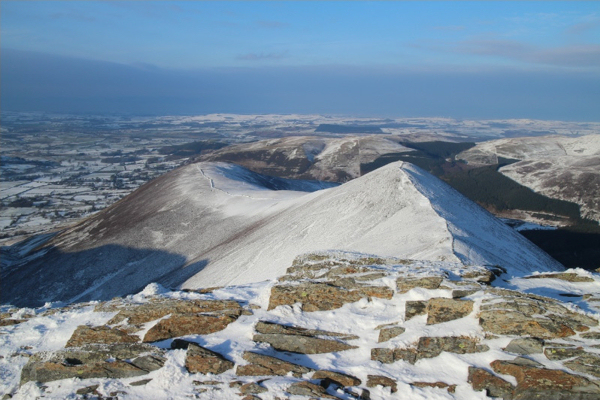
502 48
572 56
272 24
583 27
576 56
262 56
451 28
73 15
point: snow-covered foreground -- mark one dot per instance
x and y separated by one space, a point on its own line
49 329
213 224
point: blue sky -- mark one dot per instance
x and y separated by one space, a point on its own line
537 49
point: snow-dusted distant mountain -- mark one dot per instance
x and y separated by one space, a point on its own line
564 168
212 224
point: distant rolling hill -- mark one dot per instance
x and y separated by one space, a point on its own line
563 168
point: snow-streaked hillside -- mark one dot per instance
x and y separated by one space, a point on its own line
564 168
328 159
213 224
525 148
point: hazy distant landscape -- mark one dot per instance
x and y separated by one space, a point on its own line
57 169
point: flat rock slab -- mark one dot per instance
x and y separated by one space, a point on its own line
429 347
438 385
562 353
587 363
101 334
304 388
337 378
188 324
388 333
384 381
389 356
413 308
322 296
536 382
524 346
273 328
302 344
503 322
443 310
136 314
252 388
404 284
201 360
494 386
485 275
91 362
260 365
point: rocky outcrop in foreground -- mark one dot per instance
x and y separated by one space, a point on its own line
336 326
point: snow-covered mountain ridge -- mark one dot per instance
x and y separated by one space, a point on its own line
213 224
336 325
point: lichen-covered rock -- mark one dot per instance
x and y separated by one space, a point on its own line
302 344
90 361
542 383
101 334
337 378
525 306
441 309
526 345
201 360
485 275
273 328
460 293
92 389
429 347
390 332
252 388
412 308
321 296
494 386
304 388
370 277
591 335
380 380
300 340
562 353
404 284
587 363
525 314
149 362
136 314
502 322
438 385
141 382
188 324
11 321
385 356
260 365
389 356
